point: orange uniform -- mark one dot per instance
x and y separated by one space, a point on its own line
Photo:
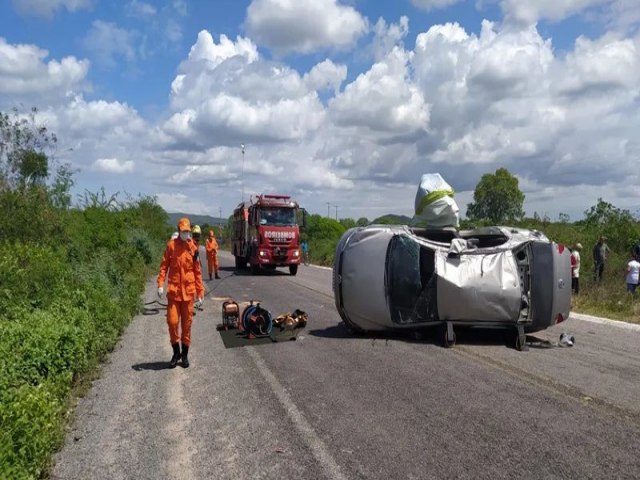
211 246
182 266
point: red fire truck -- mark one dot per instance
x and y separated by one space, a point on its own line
266 233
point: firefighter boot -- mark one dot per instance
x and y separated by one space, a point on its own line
185 358
176 355
210 276
217 276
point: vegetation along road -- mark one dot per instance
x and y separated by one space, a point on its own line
332 405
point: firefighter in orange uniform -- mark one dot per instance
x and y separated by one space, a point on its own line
181 264
211 246
195 234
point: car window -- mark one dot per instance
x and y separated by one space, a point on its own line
410 281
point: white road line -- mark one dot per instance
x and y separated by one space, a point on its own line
317 446
606 321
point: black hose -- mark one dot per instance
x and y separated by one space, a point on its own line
155 310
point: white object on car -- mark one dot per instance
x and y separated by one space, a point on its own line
434 204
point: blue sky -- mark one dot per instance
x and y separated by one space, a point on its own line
346 102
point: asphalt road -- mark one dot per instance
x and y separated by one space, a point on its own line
334 406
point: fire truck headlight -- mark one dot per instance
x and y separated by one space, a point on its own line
262 253
296 253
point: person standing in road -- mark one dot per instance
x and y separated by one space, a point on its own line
575 268
304 246
181 265
632 275
211 245
600 251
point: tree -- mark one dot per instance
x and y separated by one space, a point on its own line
348 223
29 193
26 158
23 147
321 228
362 222
617 224
392 219
497 198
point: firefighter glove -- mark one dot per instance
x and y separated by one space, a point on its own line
199 302
160 292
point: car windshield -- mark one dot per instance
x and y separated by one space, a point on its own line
277 216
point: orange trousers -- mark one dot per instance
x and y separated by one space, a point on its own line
182 311
212 263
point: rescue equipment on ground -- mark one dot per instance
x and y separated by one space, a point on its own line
290 321
256 321
230 314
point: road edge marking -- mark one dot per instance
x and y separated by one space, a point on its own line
302 425
605 321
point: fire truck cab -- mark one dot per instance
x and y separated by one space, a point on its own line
266 234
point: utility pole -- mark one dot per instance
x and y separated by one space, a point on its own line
242 172
220 221
328 209
336 207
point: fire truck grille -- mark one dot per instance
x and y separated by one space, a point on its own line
280 243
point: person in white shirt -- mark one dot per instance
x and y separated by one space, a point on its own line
575 268
632 276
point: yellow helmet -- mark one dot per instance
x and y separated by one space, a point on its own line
196 229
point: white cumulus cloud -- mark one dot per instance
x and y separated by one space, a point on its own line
388 36
113 165
24 71
224 94
179 202
207 50
383 100
287 26
326 74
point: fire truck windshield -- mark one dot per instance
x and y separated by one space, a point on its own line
277 216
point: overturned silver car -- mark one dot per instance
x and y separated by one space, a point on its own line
401 277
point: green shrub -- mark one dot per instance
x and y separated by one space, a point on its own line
29 429
64 304
31 275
